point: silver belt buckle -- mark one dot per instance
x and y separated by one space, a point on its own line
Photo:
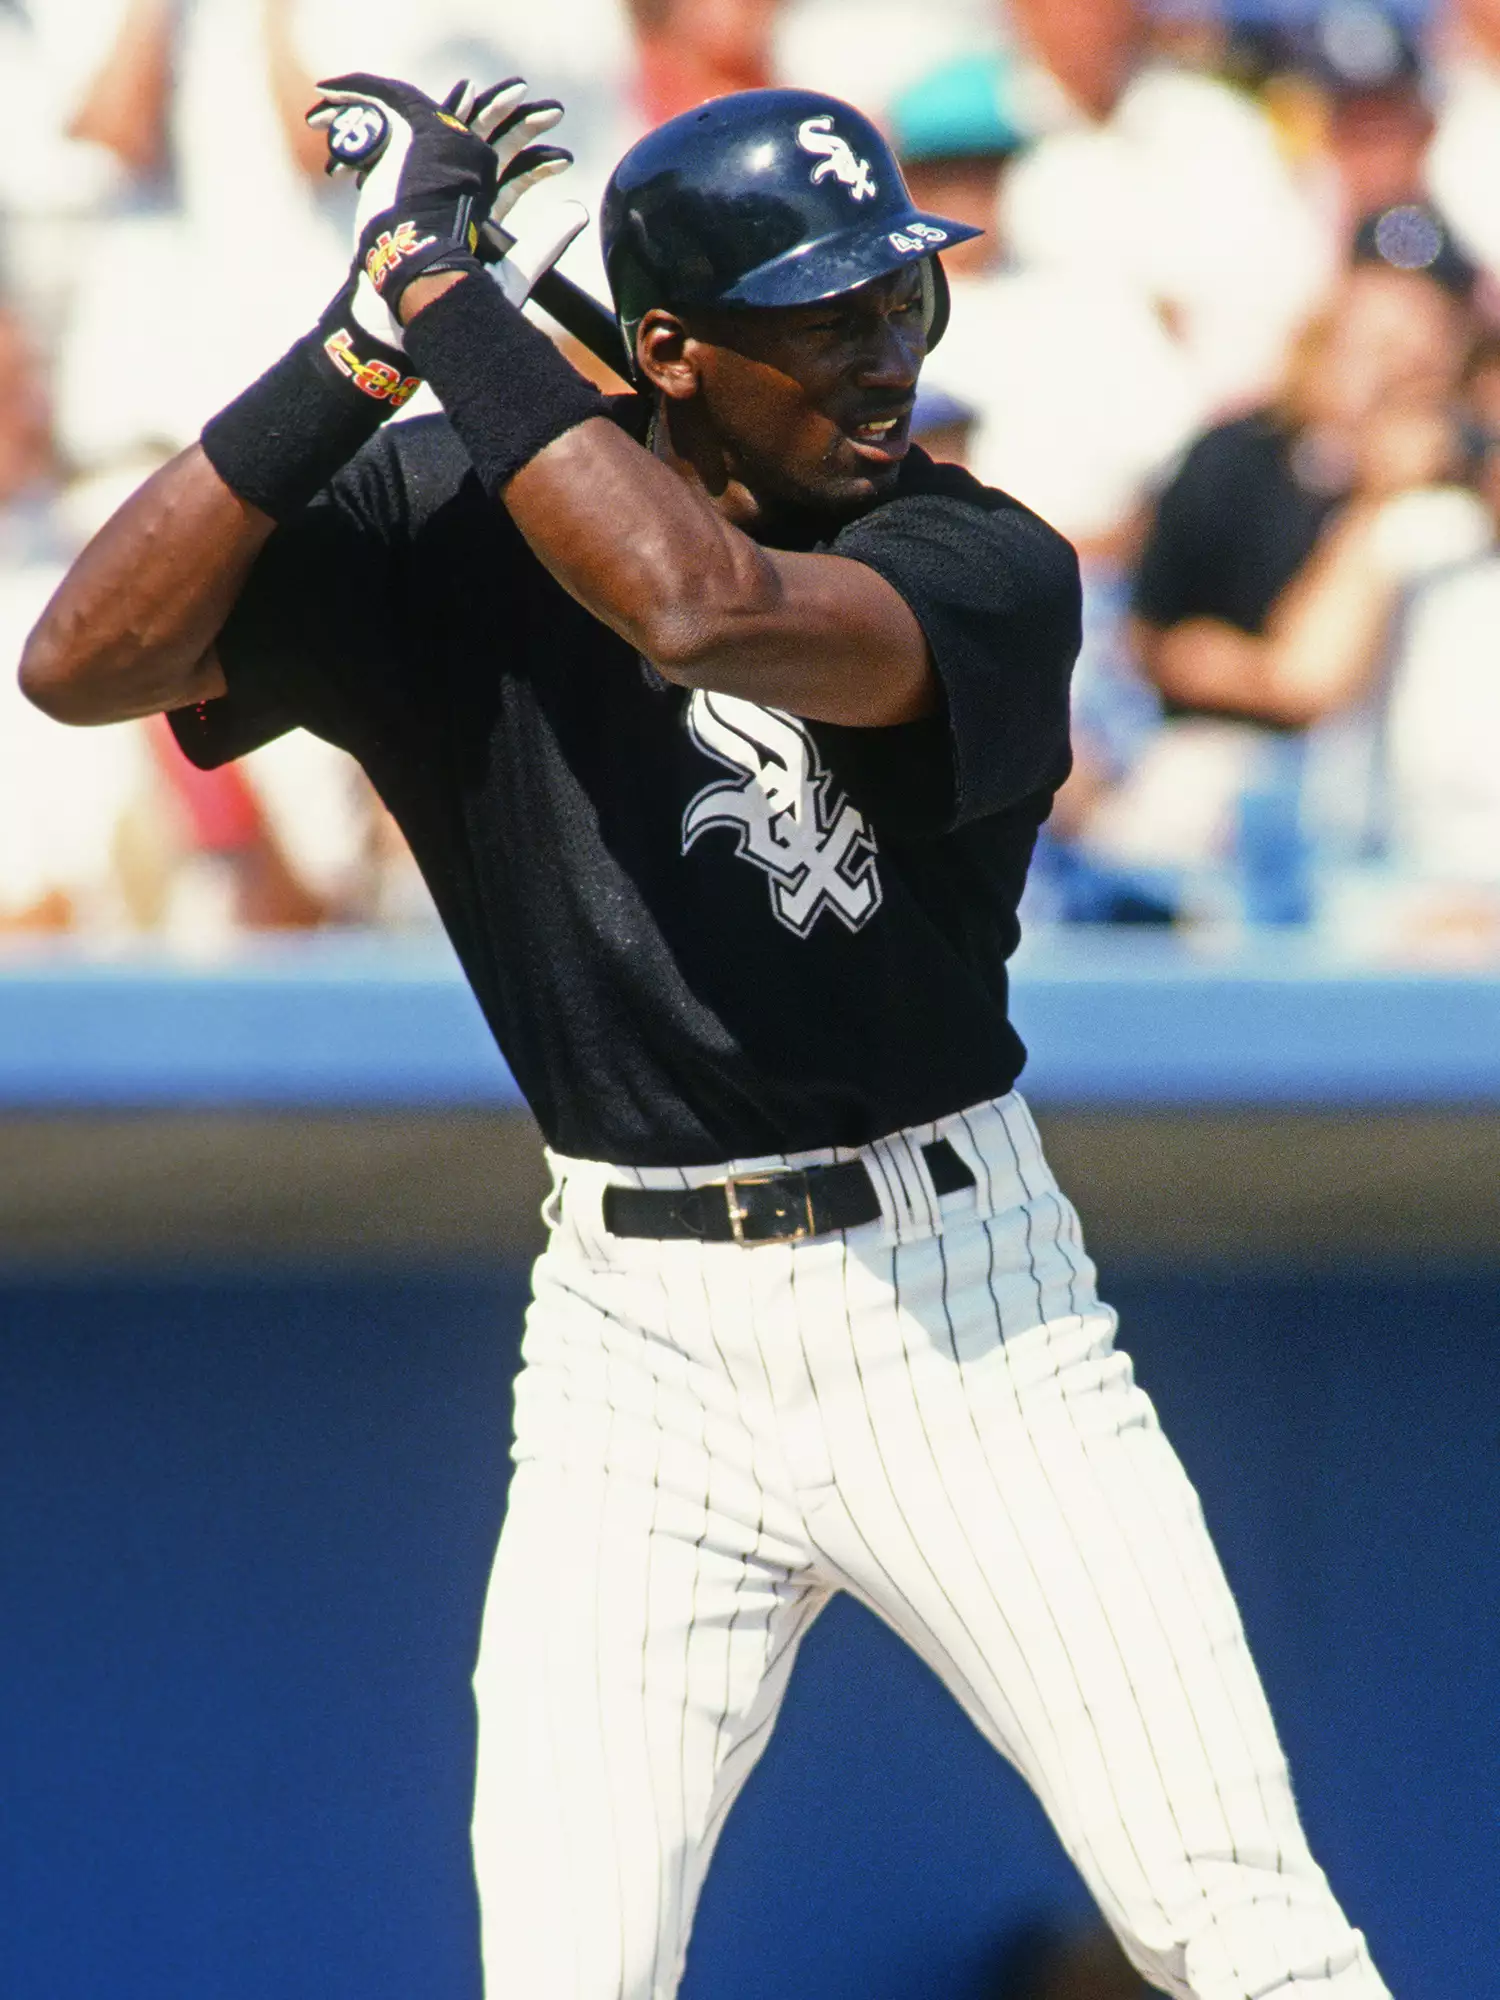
799 1225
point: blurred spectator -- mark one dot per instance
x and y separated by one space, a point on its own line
201 107
1463 166
59 810
1082 397
954 129
1441 743
1279 553
871 52
1190 34
163 328
53 178
944 426
232 872
1377 112
1152 235
1081 393
1238 589
28 468
1165 182
691 50
64 798
1482 388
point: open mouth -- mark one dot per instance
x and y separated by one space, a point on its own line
885 437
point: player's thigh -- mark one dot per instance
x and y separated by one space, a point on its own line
1006 1498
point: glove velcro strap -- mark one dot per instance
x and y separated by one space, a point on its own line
507 391
286 436
395 248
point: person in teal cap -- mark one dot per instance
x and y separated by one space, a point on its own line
954 130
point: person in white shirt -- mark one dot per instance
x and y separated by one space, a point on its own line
1463 164
1166 180
1082 395
1442 721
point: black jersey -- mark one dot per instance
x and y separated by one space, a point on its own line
699 929
1232 528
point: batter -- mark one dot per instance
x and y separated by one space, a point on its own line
722 721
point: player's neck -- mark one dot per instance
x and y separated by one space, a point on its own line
685 443
690 448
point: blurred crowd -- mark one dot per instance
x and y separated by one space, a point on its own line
1234 328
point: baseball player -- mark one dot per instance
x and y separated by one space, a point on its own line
721 723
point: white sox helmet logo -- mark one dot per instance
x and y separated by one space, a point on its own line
787 814
838 158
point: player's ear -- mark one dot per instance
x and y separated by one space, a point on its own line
664 355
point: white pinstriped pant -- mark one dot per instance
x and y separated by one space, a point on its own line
928 1411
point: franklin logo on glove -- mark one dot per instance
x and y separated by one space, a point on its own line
390 248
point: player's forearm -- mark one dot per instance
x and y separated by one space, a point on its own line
643 549
130 629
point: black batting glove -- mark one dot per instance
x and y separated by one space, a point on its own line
432 177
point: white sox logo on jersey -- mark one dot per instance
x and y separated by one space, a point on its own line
786 812
817 136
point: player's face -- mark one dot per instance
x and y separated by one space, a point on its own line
810 406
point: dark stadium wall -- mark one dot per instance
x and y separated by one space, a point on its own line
246 1530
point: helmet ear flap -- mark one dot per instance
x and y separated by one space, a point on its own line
629 328
937 300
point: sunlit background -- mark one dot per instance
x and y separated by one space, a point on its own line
267 1195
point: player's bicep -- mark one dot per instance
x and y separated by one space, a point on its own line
832 640
996 594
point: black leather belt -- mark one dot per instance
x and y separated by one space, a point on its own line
780 1207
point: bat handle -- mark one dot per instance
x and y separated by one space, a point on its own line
581 315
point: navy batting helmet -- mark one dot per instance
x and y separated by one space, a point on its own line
765 198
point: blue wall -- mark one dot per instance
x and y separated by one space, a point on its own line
246 1527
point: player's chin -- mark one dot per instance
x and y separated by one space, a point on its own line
850 476
873 462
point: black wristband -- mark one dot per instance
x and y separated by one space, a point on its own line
291 430
507 391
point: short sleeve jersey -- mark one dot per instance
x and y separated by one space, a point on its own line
1232 528
700 929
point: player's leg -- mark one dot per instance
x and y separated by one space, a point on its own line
647 1602
1006 1498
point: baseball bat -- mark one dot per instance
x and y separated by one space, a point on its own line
578 312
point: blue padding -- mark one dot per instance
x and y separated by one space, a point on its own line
311 1025
1112 1019
1141 1020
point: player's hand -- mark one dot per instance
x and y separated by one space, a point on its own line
519 249
438 183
